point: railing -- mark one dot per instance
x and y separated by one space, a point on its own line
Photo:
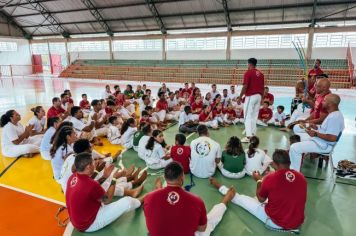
23 70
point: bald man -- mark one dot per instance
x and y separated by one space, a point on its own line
318 113
320 139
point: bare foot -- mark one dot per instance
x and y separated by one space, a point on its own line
133 192
115 157
158 183
229 195
134 176
130 170
214 182
140 180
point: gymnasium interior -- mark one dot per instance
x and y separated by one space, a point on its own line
48 46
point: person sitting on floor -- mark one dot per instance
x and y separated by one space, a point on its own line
267 96
187 212
61 148
197 105
56 109
113 131
173 106
100 118
84 103
232 163
204 153
285 192
279 117
265 114
156 156
141 147
90 208
187 121
127 132
230 116
319 139
256 159
139 92
15 139
45 147
181 153
138 135
38 120
206 118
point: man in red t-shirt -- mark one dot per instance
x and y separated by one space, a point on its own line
181 153
56 109
253 87
175 212
316 71
162 107
186 89
285 191
84 197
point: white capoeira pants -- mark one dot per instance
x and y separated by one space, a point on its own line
27 146
298 114
164 115
214 216
210 124
251 205
131 108
157 164
230 175
251 109
109 213
101 132
297 150
304 136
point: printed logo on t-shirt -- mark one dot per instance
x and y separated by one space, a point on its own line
203 148
258 73
137 134
73 182
173 198
290 176
180 151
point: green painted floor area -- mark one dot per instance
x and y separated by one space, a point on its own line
327 213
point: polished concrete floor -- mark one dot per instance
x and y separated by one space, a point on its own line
327 213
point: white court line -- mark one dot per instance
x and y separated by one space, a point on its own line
190 135
69 229
33 194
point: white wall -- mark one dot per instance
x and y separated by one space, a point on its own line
280 53
140 55
89 55
329 53
197 55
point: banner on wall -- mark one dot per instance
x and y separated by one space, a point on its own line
37 64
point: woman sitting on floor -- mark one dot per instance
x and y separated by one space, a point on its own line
257 160
45 147
127 133
15 139
156 156
38 120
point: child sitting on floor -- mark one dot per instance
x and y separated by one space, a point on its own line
138 135
206 118
114 131
156 156
230 116
279 117
233 159
265 114
84 103
127 132
181 153
256 159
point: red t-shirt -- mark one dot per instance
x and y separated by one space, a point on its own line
145 120
269 97
318 106
84 104
83 199
230 113
181 154
162 105
197 106
255 82
203 116
109 111
184 90
286 191
315 72
265 114
217 112
120 99
173 211
54 112
240 113
70 100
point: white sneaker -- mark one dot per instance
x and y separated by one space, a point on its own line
245 140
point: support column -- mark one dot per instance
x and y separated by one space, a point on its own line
110 49
228 46
310 42
164 53
67 52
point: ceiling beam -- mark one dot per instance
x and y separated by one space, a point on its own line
156 16
227 15
55 26
10 20
312 23
99 18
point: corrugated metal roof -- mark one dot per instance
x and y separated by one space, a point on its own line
131 15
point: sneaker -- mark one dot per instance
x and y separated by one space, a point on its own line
245 140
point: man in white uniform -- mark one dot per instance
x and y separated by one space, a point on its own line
213 91
320 139
204 152
99 116
187 121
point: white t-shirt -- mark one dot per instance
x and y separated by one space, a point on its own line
333 124
279 116
100 115
38 124
213 94
105 95
172 103
206 102
142 106
204 151
127 137
124 113
141 150
58 160
66 171
78 125
10 133
233 96
154 156
114 134
46 140
183 118
258 162
225 100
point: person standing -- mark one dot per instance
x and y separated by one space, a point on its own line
252 89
